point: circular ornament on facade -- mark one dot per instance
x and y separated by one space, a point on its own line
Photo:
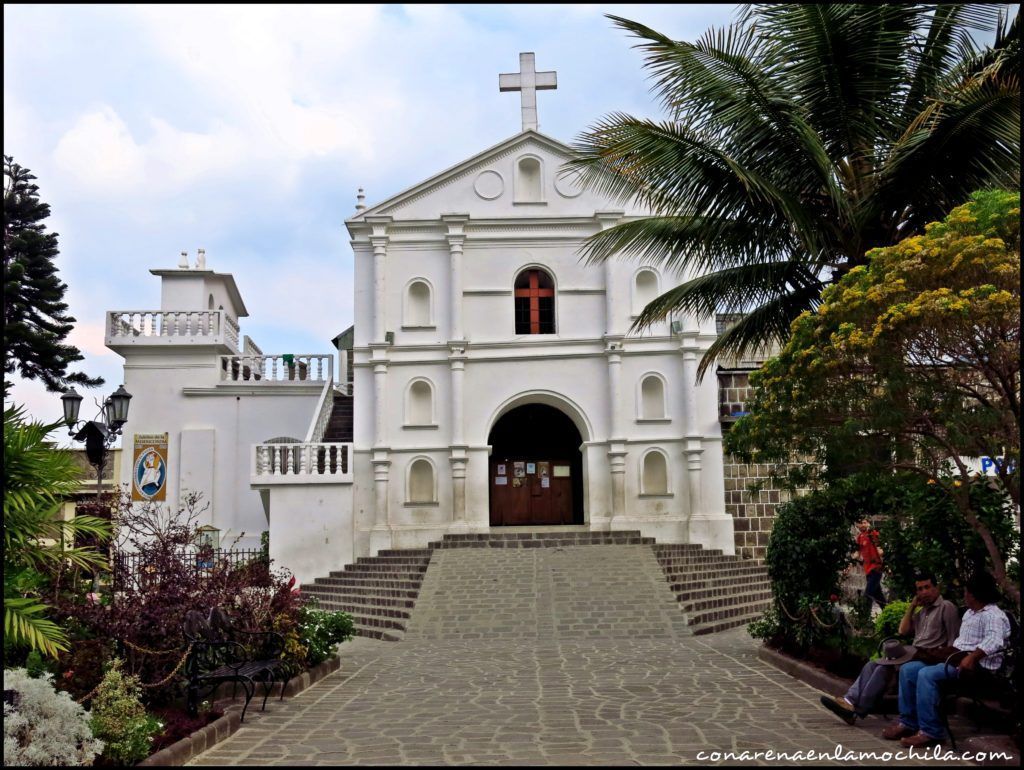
567 186
489 185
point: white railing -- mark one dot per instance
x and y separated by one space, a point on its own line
302 463
303 368
322 415
250 348
171 325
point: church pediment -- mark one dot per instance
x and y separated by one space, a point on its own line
520 177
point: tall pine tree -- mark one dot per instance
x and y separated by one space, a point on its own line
35 315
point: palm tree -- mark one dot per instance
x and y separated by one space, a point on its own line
37 478
798 139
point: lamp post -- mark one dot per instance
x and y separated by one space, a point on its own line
99 435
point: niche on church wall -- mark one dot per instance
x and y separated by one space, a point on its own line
420 486
654 473
529 180
418 306
419 404
652 397
645 289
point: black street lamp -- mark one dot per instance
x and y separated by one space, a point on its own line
98 435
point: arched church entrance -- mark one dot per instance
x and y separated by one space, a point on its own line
536 468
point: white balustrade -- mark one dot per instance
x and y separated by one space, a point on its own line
171 324
299 368
302 462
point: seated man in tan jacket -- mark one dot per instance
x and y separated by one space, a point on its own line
934 623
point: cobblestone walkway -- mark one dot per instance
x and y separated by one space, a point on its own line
518 678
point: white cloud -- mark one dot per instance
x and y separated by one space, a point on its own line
100 153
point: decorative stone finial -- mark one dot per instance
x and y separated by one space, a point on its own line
183 261
201 261
360 201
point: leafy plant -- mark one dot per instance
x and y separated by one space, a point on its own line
322 631
888 621
43 727
37 478
120 719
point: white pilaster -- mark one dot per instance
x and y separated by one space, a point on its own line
379 242
617 441
457 362
456 239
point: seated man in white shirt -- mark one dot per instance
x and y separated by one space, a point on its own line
984 630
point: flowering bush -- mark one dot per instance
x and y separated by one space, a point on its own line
321 631
43 727
119 718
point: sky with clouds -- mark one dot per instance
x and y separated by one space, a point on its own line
246 130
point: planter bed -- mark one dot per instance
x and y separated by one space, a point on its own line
201 740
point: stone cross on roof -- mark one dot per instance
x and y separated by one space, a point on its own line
528 81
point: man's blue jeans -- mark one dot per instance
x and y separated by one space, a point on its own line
919 696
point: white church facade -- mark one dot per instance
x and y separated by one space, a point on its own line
494 379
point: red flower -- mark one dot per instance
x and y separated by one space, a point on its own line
833 598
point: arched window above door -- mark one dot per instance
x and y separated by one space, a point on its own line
534 302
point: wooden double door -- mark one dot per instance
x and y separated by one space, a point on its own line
529 490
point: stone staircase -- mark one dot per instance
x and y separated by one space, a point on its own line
714 591
339 426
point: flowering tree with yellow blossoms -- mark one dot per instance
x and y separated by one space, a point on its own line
911 362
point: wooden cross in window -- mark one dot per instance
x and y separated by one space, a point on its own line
534 292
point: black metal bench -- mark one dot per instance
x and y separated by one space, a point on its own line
223 653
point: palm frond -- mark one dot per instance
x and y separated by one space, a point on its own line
24 624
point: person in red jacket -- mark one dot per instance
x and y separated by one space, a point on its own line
871 557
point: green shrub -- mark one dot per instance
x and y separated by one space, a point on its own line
119 718
926 533
888 621
321 631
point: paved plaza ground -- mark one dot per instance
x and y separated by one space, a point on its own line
546 692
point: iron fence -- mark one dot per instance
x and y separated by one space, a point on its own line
140 567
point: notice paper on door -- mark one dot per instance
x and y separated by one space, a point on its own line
531 467
501 470
519 470
545 482
543 469
501 481
561 471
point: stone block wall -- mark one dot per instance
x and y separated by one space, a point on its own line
752 513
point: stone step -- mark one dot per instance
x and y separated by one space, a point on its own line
725 625
406 552
684 562
680 572
371 582
711 617
372 621
396 559
345 596
715 586
680 583
408 568
384 634
695 606
407 573
364 610
554 534
671 549
540 543
320 587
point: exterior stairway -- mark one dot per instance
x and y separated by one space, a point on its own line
378 592
714 591
339 426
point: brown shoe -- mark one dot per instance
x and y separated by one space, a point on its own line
919 741
897 731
